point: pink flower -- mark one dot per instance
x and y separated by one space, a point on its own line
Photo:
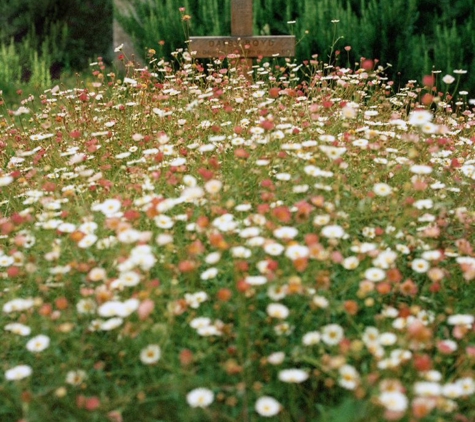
447 346
145 309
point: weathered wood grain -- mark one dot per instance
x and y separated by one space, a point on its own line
257 46
242 42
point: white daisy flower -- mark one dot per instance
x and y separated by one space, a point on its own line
18 373
277 310
382 189
76 377
311 338
17 328
294 375
276 358
150 354
38 343
333 232
267 406
394 401
200 397
332 334
420 265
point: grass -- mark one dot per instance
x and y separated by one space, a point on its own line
191 245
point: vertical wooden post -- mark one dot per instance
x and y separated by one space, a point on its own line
242 26
241 18
242 42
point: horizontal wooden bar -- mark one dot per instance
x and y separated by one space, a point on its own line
256 46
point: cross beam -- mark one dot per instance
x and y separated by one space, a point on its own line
242 42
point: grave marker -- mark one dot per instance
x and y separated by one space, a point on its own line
241 41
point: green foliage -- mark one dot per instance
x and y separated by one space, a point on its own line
74 31
188 214
24 64
413 36
158 23
41 40
10 71
40 74
350 410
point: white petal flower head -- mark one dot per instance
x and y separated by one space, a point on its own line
419 117
348 112
6 180
38 344
213 186
111 324
294 252
295 376
420 265
164 222
321 220
17 305
256 280
87 241
267 406
18 373
210 330
382 189
150 354
311 338
110 207
467 386
421 169
274 248
200 397
332 152
349 377
332 334
164 239
192 193
350 263
286 232
458 319
240 252
448 79
200 322
427 388
452 390
129 278
276 292
277 310
387 339
19 329
110 308
209 274
333 232
76 377
375 274
320 301
429 128
276 358
394 401
213 258
6 261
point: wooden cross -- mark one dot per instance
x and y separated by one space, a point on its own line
241 42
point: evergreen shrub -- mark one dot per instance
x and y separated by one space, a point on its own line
415 37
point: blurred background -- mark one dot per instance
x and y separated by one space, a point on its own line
44 40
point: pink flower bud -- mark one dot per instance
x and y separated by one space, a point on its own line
145 309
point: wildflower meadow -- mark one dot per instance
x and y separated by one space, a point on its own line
191 243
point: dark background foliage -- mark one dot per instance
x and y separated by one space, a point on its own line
71 32
414 36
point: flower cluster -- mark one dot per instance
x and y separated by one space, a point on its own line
237 248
